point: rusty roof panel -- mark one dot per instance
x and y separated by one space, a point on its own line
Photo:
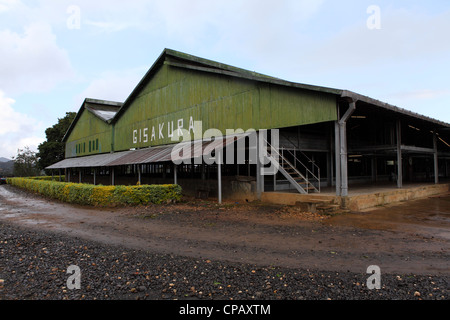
149 155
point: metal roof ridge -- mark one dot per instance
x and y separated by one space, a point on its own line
104 102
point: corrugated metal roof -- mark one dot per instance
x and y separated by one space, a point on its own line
201 148
150 155
103 109
99 160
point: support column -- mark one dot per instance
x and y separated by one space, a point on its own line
446 168
337 141
95 176
275 182
344 162
374 169
219 176
112 176
79 176
258 169
436 162
203 172
262 181
175 174
139 173
329 177
399 155
330 171
343 149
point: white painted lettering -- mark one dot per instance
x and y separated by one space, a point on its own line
153 137
146 135
180 126
169 131
191 125
161 126
134 136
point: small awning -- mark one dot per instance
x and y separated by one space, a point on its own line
150 155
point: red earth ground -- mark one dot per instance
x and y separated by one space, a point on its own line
412 237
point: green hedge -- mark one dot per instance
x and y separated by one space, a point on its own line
105 196
48 178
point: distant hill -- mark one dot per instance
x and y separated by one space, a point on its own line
6 167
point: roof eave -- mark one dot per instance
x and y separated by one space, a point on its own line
359 97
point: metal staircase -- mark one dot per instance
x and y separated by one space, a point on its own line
303 179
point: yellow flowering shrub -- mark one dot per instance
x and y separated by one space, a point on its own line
104 196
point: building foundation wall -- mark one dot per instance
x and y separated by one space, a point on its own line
367 201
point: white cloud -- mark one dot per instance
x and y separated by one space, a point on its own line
113 85
31 142
108 27
12 121
32 61
242 25
7 5
17 130
404 36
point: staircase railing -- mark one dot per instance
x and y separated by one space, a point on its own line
309 173
286 165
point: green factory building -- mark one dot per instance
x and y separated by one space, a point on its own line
320 140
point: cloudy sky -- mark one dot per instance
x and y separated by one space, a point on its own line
53 54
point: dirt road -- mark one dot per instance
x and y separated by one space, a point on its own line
412 237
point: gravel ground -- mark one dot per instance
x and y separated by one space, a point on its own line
33 266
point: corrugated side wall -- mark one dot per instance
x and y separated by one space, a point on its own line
176 97
90 136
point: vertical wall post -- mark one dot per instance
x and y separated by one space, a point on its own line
258 169
344 158
329 172
374 165
436 161
399 155
343 147
337 141
139 173
219 175
203 167
175 174
275 182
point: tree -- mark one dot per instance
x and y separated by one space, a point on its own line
53 149
25 163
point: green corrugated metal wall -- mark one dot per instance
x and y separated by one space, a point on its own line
176 96
91 130
220 102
